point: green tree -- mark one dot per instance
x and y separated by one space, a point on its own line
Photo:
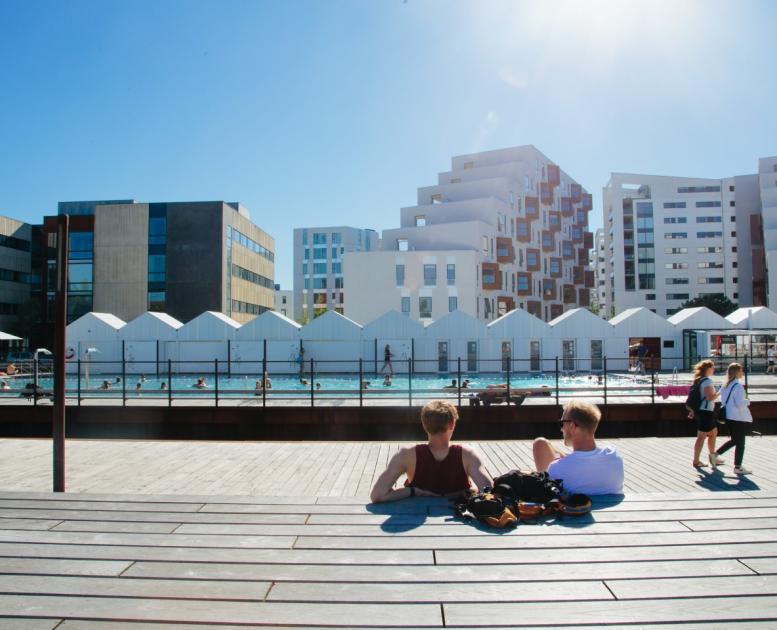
717 302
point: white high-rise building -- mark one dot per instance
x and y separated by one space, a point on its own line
598 262
767 189
318 267
671 239
502 229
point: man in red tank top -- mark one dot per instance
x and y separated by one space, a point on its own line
437 468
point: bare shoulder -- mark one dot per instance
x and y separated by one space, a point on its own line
469 453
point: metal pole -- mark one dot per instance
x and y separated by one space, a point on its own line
216 378
412 355
605 381
556 380
361 383
169 382
157 358
459 381
229 358
746 370
35 381
123 376
410 383
264 372
508 379
375 354
78 381
653 384
312 385
58 418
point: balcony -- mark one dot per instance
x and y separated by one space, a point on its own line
584 297
570 294
567 250
534 307
554 221
523 230
505 253
546 194
556 267
587 202
588 240
589 279
504 305
566 207
554 175
491 276
548 289
524 286
556 310
548 241
578 277
532 207
576 192
533 259
582 257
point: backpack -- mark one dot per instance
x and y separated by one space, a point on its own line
693 402
487 507
529 487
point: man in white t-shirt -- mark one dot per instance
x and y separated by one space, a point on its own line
589 469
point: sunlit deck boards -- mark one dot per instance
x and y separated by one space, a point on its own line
84 560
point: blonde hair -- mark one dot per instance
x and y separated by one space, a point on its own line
583 414
437 416
733 372
701 368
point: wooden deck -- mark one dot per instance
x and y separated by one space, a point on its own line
301 547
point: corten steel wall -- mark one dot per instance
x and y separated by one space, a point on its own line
194 258
346 423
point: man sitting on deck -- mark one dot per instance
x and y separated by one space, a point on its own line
437 468
588 469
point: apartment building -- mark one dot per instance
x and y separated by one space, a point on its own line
502 229
182 258
670 239
15 272
598 263
318 267
766 181
284 301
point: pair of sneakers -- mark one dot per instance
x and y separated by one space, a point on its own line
716 460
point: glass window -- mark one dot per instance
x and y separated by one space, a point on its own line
406 305
402 244
338 283
400 275
79 277
319 238
425 307
319 268
319 283
451 272
81 245
304 269
523 283
337 267
430 275
453 303
337 238
420 220
156 301
304 237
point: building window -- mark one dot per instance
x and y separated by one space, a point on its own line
710 265
156 301
676 265
319 238
708 204
437 198
698 189
674 204
710 280
425 307
337 238
304 237
675 220
156 268
420 220
451 273
338 283
675 235
406 305
709 250
319 253
676 280
453 303
319 268
319 283
430 275
709 219
677 296
399 272
709 234
402 244
337 267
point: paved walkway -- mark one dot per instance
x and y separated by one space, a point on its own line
335 469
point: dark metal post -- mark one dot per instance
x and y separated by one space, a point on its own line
557 381
746 370
157 358
216 390
361 383
410 383
375 354
509 362
35 381
58 418
459 381
412 355
312 385
605 382
653 384
229 358
123 375
78 380
264 372
169 382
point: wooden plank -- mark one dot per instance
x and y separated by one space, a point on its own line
162 540
79 624
712 609
133 587
52 566
400 507
407 574
29 624
519 540
206 554
154 517
115 526
28 523
127 506
694 587
732 523
762 566
193 611
439 592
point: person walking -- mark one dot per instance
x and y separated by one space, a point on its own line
706 424
387 355
738 416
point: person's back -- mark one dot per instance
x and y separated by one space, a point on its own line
599 471
440 476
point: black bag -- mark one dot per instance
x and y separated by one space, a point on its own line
721 415
693 402
531 487
488 508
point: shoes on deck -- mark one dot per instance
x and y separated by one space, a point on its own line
699 465
716 460
741 470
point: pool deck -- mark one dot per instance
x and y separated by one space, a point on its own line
153 535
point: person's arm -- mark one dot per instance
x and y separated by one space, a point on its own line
384 490
710 393
476 469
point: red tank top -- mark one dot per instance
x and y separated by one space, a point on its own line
445 477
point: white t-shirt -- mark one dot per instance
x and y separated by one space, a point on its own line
599 471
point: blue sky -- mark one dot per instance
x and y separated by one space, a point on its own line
334 112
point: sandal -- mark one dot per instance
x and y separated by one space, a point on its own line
700 465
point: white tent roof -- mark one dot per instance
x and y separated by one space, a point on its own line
699 317
580 320
753 317
8 337
518 323
641 321
457 324
151 326
331 326
209 326
269 325
393 325
94 327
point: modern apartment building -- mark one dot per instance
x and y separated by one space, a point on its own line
182 258
670 239
284 301
598 263
318 267
15 273
502 229
767 192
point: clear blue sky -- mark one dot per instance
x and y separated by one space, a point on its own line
334 112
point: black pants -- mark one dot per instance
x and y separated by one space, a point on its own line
738 432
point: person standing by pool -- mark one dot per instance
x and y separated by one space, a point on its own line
706 424
738 417
301 360
437 468
387 360
770 365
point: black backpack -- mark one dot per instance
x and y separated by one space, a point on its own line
530 487
693 402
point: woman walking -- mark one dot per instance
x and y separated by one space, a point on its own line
738 416
706 425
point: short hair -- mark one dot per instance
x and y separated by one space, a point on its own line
583 414
437 416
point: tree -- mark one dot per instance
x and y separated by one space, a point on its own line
717 302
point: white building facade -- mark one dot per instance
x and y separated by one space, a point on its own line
284 301
767 189
501 230
598 263
318 267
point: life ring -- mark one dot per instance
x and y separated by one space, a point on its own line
70 354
